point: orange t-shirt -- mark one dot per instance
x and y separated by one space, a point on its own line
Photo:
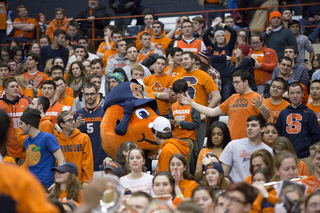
9 159
3 15
138 43
248 179
142 56
14 111
28 92
175 70
238 108
21 33
159 84
23 190
227 37
103 47
161 43
275 109
258 57
63 196
194 46
303 169
315 109
54 110
36 80
182 113
312 182
203 152
200 84
67 101
187 186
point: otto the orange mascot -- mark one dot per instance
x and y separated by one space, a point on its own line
127 117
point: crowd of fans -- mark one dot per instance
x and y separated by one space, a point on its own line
53 94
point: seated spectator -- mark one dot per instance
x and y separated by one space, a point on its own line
24 26
277 37
16 54
204 197
76 77
315 95
107 43
311 18
86 64
158 40
4 54
54 50
243 62
41 18
73 31
139 201
148 18
282 144
60 22
147 48
137 179
311 201
175 33
118 76
66 186
266 61
302 41
83 41
132 54
35 48
315 65
120 60
313 181
218 138
44 41
174 62
94 10
214 176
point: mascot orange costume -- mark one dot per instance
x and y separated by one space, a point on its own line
127 117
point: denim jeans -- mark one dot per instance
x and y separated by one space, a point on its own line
315 33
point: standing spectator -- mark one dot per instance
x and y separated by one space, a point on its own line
107 43
266 60
158 40
112 52
97 68
315 95
148 18
61 95
161 129
312 17
60 22
24 26
277 37
54 50
199 26
123 8
76 146
287 17
44 41
88 120
147 48
220 50
42 148
160 82
3 24
188 42
73 31
175 62
299 123
94 10
41 18
76 77
302 41
13 105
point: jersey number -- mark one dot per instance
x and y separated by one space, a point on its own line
90 128
16 122
191 80
293 122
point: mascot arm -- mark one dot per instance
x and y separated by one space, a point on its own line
121 128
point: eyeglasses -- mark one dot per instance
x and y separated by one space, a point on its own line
276 87
70 120
89 94
236 82
234 200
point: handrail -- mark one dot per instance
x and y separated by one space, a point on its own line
93 39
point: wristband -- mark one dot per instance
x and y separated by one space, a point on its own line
180 195
158 95
110 159
204 115
261 106
107 42
223 25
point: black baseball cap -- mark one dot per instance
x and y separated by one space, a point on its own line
66 167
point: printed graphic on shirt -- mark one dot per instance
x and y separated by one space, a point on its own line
293 123
34 154
240 103
245 156
157 87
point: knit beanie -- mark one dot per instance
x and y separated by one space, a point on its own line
275 14
159 22
204 57
118 76
31 117
244 48
218 32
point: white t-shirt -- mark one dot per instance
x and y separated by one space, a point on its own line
142 184
237 155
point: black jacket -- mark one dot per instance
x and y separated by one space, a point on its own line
99 12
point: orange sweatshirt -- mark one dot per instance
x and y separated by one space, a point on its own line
78 150
167 149
54 24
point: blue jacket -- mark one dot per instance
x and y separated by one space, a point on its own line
301 127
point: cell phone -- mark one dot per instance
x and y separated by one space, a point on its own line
305 60
81 115
209 154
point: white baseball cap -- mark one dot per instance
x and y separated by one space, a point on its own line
160 123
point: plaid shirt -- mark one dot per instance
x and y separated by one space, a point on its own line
215 75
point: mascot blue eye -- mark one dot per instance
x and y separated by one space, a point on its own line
142 113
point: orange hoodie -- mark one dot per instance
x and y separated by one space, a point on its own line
77 149
167 149
54 24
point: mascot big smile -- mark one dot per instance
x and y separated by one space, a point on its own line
127 117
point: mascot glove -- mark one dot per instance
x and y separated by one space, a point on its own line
128 106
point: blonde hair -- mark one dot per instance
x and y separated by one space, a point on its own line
48 66
278 159
290 188
21 82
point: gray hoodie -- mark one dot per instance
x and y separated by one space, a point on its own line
115 62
